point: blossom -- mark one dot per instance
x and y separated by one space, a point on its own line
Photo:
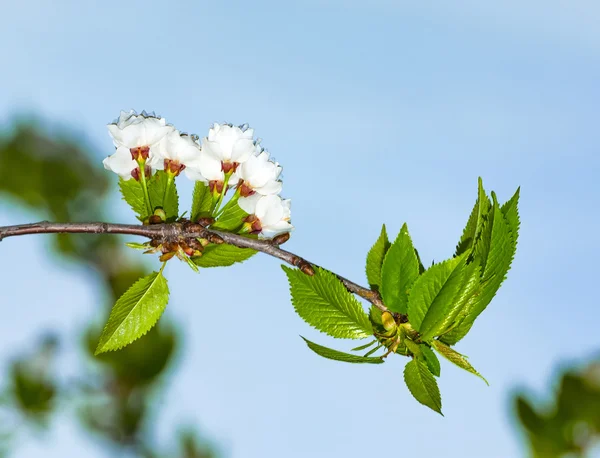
176 152
268 215
136 138
208 170
230 145
258 174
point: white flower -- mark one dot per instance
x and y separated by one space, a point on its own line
258 174
269 215
206 169
176 152
230 145
121 163
134 131
136 137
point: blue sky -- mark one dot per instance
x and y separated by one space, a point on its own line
379 112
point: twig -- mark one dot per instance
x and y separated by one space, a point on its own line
171 232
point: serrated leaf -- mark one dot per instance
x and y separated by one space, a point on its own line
475 222
135 313
222 255
432 361
201 201
434 290
510 210
422 385
453 300
400 270
456 358
336 355
324 303
231 220
499 250
162 197
133 194
375 259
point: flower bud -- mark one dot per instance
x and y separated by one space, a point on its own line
205 220
161 214
166 256
281 238
387 319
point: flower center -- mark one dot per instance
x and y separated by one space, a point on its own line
245 189
228 167
173 166
140 153
253 223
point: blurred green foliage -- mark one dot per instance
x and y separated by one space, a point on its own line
569 425
57 175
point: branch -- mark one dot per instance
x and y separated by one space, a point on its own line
176 231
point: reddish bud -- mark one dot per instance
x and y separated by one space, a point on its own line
214 238
135 173
155 219
166 256
281 238
205 221
195 244
307 269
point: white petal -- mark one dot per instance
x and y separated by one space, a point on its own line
242 150
121 163
271 187
212 149
209 168
269 210
248 204
276 229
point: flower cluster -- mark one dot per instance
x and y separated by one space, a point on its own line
228 157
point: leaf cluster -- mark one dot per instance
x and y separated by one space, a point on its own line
427 311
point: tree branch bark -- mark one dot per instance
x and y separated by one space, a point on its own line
171 232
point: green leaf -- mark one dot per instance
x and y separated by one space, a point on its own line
422 385
133 194
399 272
364 347
190 262
340 356
433 294
138 246
162 197
510 210
475 222
136 311
452 300
222 255
201 201
433 363
375 259
498 246
323 302
456 358
231 220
